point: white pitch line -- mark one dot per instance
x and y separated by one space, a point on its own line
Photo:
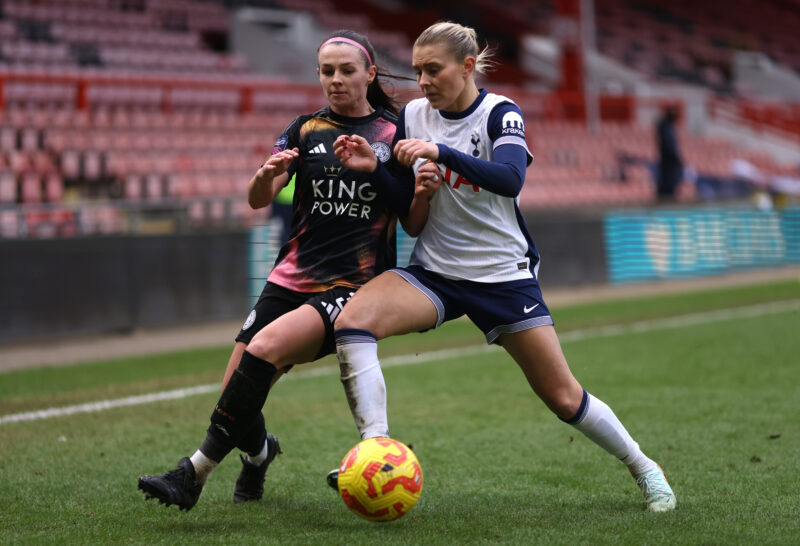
693 319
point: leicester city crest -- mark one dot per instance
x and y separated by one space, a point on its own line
251 318
382 151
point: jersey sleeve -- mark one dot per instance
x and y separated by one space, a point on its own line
506 173
400 133
395 180
505 126
290 138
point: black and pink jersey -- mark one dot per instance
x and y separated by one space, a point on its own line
344 222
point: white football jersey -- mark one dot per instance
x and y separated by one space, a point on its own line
471 233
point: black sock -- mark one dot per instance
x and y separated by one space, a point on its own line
239 406
253 440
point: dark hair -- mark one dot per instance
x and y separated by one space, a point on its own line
376 96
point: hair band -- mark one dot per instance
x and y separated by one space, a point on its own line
348 41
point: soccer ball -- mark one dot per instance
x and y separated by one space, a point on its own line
380 479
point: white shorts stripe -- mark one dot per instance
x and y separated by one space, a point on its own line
535 322
425 290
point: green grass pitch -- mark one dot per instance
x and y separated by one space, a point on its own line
713 396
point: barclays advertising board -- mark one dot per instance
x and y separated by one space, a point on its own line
644 245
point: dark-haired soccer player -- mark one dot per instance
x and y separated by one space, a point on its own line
343 234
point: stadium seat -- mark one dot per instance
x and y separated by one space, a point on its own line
9 223
191 141
30 188
133 186
53 187
8 187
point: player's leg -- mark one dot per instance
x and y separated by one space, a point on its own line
538 353
290 338
293 338
273 302
237 412
260 446
387 305
233 361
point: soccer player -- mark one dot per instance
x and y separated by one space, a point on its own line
474 255
343 234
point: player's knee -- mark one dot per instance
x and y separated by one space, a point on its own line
344 320
563 403
354 316
268 348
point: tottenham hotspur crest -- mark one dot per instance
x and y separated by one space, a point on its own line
475 139
382 151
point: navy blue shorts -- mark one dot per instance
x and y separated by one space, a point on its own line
495 308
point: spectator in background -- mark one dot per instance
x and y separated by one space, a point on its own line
670 163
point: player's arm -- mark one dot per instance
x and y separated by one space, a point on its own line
262 189
270 179
504 175
427 182
394 181
276 171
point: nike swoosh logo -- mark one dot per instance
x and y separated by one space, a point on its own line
529 309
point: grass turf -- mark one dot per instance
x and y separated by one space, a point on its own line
714 403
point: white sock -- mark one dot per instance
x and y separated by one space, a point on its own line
262 455
600 425
363 381
202 466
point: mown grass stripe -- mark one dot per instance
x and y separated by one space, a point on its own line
692 319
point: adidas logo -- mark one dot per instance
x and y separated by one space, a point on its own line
318 149
333 311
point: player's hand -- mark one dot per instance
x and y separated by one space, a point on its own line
409 150
354 152
429 178
278 163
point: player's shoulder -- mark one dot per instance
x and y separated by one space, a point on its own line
321 113
416 111
497 103
300 120
416 105
505 118
502 108
388 115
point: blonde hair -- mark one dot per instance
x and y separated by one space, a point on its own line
461 41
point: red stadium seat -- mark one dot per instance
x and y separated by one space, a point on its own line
53 187
31 188
8 186
9 224
8 138
154 187
132 188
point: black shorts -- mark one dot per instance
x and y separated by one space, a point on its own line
275 301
